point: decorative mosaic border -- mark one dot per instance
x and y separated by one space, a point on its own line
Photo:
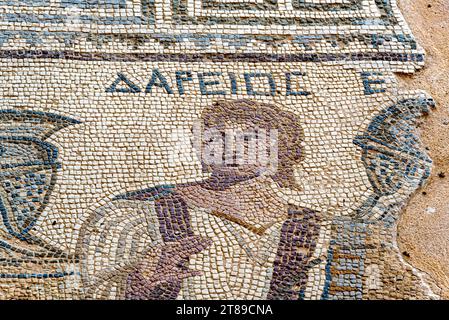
155 30
387 17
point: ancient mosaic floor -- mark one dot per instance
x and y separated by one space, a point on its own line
208 149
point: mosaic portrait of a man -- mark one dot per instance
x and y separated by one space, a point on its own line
197 150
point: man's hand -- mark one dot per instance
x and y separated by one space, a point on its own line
168 263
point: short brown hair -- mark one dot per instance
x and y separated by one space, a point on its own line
267 116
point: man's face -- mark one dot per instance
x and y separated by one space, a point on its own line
239 151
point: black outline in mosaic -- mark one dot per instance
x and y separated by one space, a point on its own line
302 5
272 5
204 57
267 5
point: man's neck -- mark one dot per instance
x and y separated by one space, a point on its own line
255 203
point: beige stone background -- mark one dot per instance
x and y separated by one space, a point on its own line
423 231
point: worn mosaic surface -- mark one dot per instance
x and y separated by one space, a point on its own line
198 149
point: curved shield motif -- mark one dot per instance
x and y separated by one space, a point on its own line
28 167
